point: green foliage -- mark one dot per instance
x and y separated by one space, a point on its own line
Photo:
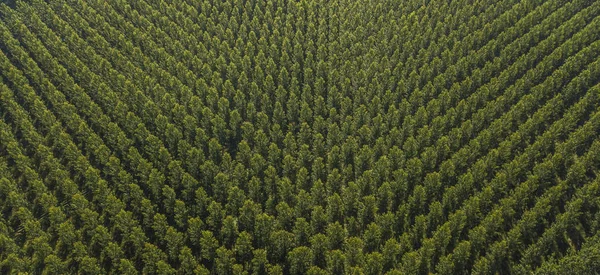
299 137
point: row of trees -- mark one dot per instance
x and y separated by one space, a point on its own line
320 137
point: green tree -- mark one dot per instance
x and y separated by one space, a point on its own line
300 259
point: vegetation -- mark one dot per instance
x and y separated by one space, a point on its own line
300 137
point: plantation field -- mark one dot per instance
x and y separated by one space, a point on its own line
300 137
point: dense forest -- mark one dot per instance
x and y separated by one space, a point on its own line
300 137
